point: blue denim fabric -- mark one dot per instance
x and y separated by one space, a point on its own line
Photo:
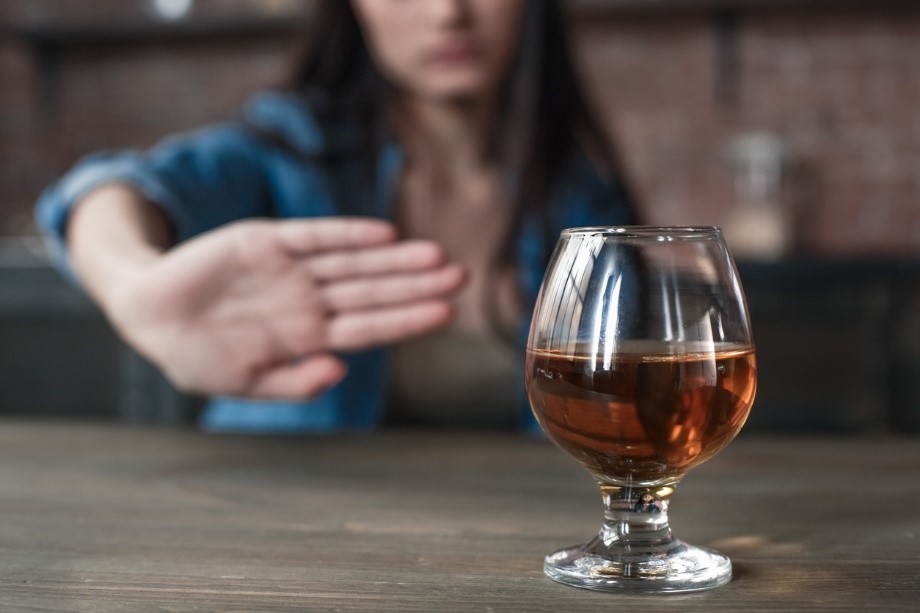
223 173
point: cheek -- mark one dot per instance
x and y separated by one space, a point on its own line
501 25
388 35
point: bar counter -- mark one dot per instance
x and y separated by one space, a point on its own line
102 517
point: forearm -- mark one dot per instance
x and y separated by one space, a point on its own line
112 234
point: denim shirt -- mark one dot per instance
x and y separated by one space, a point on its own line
224 173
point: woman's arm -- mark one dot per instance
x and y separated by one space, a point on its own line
113 233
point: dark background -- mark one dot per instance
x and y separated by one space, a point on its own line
836 315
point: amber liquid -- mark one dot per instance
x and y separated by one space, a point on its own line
642 417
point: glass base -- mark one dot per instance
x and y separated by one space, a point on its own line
674 567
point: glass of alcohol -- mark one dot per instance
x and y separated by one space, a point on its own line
640 364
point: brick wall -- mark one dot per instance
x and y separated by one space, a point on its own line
102 95
841 87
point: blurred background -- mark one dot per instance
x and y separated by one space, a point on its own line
793 124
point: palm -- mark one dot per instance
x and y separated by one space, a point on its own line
238 309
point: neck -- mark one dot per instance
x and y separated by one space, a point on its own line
447 140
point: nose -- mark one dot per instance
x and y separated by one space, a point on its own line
447 12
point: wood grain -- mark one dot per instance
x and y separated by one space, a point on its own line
106 518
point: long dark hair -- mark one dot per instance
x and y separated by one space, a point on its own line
544 119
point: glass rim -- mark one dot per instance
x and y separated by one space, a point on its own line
646 231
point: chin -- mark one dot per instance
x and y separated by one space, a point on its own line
456 91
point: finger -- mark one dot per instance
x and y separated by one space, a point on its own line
302 236
394 289
400 257
357 330
301 380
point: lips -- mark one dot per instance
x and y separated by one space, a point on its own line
453 53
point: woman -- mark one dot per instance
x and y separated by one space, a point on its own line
412 179
647 503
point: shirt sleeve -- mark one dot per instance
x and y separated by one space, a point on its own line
199 180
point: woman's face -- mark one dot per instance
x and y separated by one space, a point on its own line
442 49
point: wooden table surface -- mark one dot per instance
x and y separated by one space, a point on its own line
102 517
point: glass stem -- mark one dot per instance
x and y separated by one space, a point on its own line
635 551
636 518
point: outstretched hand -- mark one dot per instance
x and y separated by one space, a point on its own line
257 308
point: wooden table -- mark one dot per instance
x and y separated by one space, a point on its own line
102 517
